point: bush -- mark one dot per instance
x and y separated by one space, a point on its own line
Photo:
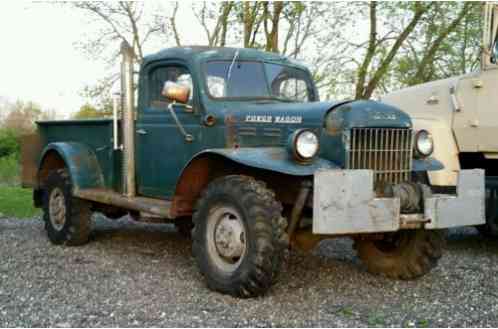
9 142
9 170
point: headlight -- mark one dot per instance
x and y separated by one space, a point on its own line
304 144
424 145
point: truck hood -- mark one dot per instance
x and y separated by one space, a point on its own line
279 114
271 123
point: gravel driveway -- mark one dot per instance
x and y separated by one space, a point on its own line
134 274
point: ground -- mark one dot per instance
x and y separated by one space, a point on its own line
134 274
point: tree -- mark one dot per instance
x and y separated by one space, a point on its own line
214 19
21 117
123 21
9 142
383 50
446 44
88 111
272 15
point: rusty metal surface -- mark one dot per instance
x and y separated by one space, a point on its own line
193 180
31 146
299 204
80 161
148 205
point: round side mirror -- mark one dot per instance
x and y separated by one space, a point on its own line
176 92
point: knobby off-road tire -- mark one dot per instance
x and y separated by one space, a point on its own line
404 255
490 229
239 236
67 219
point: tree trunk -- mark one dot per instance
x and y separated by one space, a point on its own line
429 55
372 45
420 9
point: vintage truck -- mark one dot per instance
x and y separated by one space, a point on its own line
235 144
461 113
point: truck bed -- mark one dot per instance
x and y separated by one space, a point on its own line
95 133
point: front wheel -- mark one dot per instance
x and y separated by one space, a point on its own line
490 229
405 255
238 236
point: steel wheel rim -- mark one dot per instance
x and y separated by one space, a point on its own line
226 238
57 209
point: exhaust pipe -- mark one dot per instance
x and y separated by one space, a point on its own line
128 94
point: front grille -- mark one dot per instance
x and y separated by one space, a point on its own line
387 151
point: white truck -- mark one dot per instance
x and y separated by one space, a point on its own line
461 113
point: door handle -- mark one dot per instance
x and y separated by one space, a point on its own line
142 131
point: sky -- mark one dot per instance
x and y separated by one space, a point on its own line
39 60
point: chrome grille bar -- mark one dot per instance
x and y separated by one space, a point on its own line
387 151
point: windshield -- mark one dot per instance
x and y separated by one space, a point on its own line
257 80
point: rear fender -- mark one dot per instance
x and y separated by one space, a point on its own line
80 161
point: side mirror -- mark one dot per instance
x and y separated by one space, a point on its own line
176 92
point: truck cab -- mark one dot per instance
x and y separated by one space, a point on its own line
234 146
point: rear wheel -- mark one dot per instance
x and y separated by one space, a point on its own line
239 236
405 255
67 219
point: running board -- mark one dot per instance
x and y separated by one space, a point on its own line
157 207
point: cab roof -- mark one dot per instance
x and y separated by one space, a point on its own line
205 53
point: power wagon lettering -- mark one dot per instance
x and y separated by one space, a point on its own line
270 119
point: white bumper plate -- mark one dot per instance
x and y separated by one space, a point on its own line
344 202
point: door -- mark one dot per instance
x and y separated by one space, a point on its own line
487 85
487 110
162 150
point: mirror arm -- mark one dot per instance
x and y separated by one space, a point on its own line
188 108
188 137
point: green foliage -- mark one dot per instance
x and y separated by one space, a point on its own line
17 202
88 111
9 170
457 53
9 142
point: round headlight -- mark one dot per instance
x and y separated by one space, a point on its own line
424 145
305 145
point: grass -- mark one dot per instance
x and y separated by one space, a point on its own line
9 170
17 202
14 200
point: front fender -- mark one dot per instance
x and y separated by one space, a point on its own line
429 164
272 158
445 150
81 162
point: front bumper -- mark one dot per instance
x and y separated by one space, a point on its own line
344 202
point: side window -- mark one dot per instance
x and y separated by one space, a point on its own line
159 76
295 89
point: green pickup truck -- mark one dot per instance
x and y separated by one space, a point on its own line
234 146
